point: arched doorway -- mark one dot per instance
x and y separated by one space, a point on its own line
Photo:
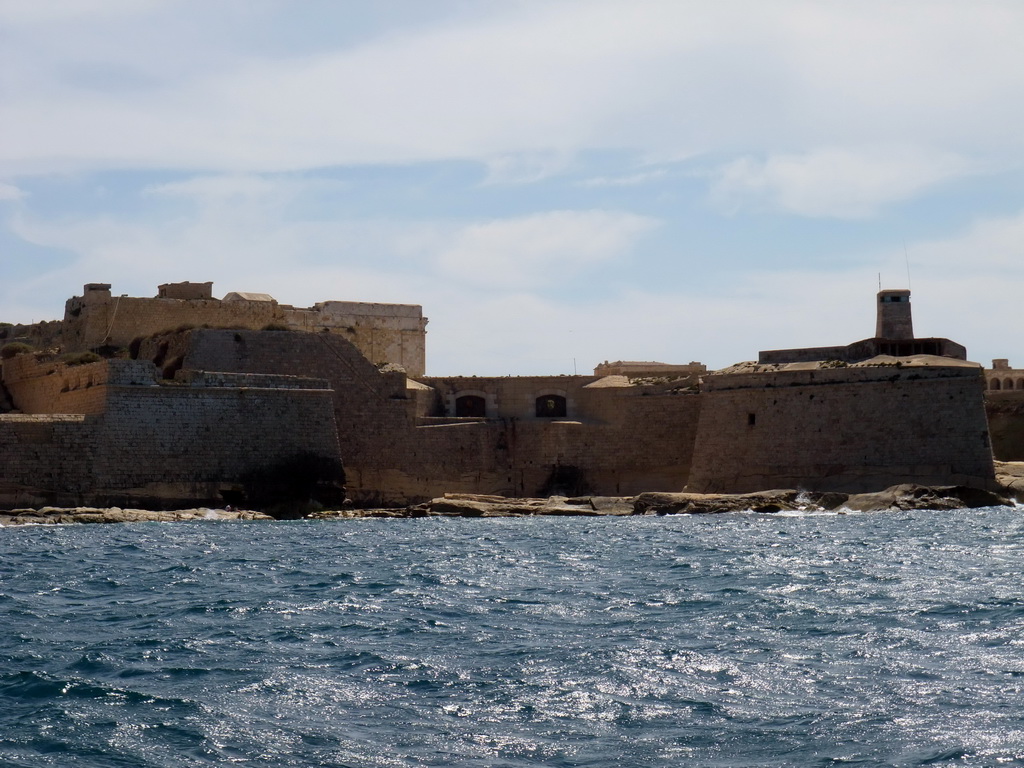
470 405
551 406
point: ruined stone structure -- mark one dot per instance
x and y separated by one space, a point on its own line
190 412
384 333
649 370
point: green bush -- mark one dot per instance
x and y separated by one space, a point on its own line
80 358
14 349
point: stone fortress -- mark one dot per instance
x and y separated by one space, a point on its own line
183 398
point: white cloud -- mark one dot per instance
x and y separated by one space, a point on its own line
525 168
628 180
839 183
34 12
540 249
531 80
10 192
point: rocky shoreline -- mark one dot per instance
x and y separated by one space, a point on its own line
1010 478
92 515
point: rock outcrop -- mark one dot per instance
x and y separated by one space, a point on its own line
910 496
71 515
1010 477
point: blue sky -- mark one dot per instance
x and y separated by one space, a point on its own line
557 182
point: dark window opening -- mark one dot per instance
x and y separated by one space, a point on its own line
471 405
551 406
751 419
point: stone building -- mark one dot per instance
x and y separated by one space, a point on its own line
894 336
194 412
384 333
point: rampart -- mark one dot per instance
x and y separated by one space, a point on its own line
843 429
405 441
202 438
384 333
225 414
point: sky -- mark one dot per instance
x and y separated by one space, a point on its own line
557 182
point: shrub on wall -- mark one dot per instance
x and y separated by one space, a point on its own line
80 358
14 349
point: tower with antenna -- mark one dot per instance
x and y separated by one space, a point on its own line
893 319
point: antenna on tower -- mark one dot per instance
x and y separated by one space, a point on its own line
906 258
879 281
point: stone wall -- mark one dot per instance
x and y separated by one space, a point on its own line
384 333
847 429
198 442
401 443
1005 409
44 384
117 320
207 438
47 459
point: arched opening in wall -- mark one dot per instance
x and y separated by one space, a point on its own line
471 405
995 385
551 406
1008 384
171 368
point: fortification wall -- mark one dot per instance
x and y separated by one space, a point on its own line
842 429
649 447
385 333
47 385
372 410
46 459
195 442
132 441
115 321
619 440
1005 410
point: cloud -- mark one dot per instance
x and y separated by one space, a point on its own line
541 249
10 192
836 183
510 87
525 168
628 180
29 12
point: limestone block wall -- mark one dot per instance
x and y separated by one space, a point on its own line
622 440
46 459
48 386
842 429
107 433
510 397
119 319
372 410
384 333
1005 410
157 438
646 443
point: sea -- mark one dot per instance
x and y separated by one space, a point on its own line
741 639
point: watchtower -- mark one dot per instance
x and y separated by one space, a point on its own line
894 318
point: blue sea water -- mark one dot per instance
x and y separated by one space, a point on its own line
730 640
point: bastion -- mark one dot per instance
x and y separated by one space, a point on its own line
183 397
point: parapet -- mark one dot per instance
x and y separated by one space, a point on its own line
644 369
184 290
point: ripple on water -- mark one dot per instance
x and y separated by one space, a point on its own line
723 640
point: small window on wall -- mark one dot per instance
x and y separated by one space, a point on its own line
551 406
471 405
